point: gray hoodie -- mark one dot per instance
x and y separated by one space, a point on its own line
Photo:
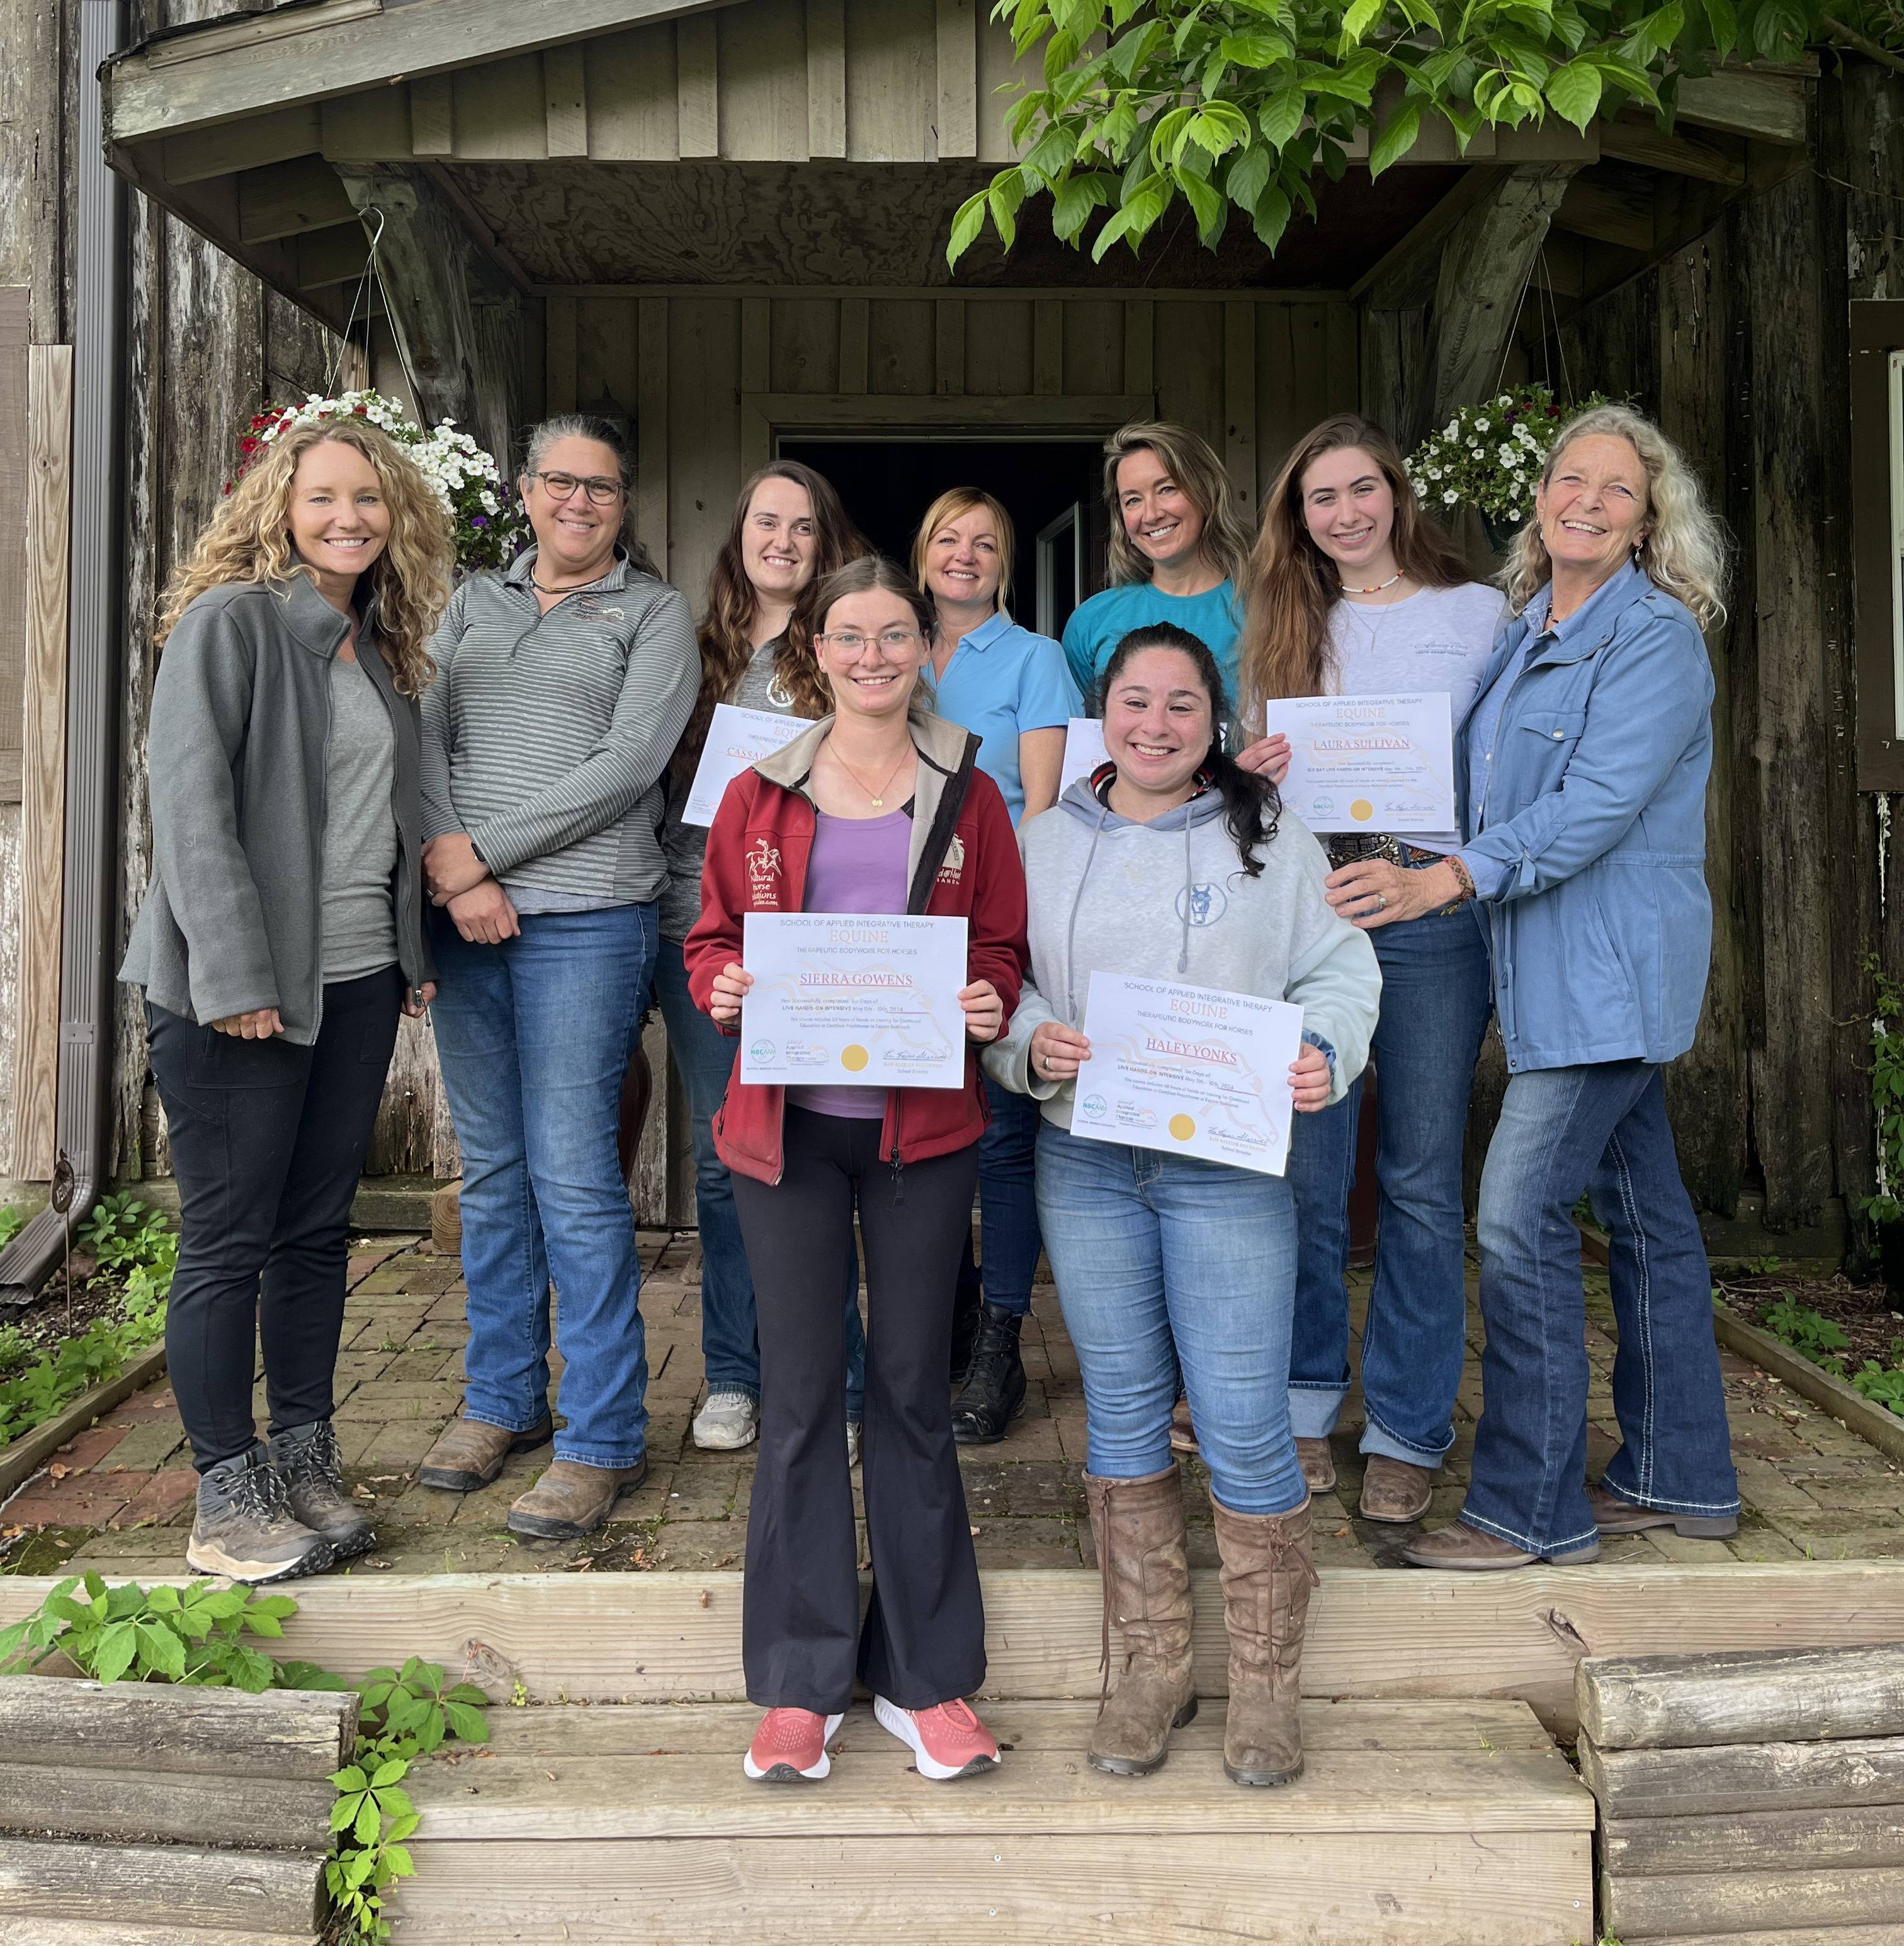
1169 901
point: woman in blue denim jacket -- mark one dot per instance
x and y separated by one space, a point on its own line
1584 766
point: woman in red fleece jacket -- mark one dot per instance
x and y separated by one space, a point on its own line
878 808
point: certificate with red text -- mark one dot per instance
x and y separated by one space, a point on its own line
736 739
1191 1070
1368 763
864 1000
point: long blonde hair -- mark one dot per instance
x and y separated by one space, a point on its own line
1196 469
1685 548
954 505
248 539
1290 585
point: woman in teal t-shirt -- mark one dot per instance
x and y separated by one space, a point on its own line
1177 546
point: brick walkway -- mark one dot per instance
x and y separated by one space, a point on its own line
118 1497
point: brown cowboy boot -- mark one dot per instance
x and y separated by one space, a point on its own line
571 1500
1137 1525
1269 1569
469 1452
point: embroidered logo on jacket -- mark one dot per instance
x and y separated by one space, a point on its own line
763 861
953 868
1202 905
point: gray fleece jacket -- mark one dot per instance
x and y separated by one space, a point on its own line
1169 901
241 713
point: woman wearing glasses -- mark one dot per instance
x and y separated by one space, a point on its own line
879 807
565 684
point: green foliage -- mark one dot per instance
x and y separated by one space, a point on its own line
12 1221
1881 1387
1217 105
1810 1333
195 1634
1886 1097
126 1236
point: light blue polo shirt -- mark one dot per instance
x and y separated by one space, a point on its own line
1215 617
1001 680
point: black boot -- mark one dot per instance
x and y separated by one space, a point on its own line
966 1300
994 1389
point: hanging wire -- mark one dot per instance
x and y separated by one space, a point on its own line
373 276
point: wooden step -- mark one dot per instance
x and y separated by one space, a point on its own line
1422 1821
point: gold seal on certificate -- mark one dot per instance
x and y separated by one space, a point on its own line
855 999
1368 763
736 739
1191 1070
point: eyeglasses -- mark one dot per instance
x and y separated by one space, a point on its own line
602 491
894 641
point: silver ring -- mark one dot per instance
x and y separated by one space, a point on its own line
1381 903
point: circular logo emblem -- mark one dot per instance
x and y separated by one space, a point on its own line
854 1058
761 1051
1183 1127
1361 810
1202 904
1093 1107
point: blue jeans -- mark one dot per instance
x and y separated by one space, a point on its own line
1435 1001
1601 1129
1166 1264
535 1037
1008 1202
730 1338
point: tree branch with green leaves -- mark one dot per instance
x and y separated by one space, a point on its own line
1224 105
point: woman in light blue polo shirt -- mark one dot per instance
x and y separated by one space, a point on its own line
1178 550
1012 689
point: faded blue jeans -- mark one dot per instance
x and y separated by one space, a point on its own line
1008 1204
1166 1263
1601 1129
730 1335
1435 1001
535 1035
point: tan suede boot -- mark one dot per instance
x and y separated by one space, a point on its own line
1269 1569
1137 1525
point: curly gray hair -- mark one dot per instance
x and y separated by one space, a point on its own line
1684 548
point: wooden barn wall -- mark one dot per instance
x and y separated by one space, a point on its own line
1250 374
1738 344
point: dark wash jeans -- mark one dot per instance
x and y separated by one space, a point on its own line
923 1640
1601 1128
268 1141
1008 1204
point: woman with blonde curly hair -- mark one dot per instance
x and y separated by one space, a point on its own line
1584 763
281 934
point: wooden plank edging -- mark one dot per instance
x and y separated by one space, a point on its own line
24 1457
1871 1422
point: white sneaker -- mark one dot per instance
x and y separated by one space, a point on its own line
853 1432
727 1420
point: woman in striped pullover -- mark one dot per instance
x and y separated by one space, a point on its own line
564 685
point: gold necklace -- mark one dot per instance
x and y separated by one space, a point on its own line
877 796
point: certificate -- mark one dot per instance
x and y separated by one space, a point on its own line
1368 763
737 741
868 999
1083 750
1191 1070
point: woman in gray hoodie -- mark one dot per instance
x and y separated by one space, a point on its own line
1171 863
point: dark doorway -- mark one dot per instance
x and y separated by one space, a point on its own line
1050 487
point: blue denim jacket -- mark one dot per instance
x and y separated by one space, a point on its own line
1587 840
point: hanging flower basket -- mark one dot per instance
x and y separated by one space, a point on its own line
1489 456
490 528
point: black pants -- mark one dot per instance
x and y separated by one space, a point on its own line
923 1641
268 1142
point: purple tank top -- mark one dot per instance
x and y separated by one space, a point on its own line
857 865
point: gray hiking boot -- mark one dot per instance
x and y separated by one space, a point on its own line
245 1527
306 1462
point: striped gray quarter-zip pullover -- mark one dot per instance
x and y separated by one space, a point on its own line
546 737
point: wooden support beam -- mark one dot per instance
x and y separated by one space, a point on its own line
948 348
257 1892
287 199
433 115
1140 323
16 486
698 91
651 424
565 102
855 320
756 347
1762 1696
294 130
1766 107
1714 159
1048 346
825 44
957 115
42 836
1734 1778
334 256
1609 213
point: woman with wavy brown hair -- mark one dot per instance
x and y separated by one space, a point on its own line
789 532
1352 590
281 936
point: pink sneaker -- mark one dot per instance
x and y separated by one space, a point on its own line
790 1744
948 1739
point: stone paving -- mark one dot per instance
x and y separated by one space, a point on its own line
118 1496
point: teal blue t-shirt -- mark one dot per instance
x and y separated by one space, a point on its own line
1095 629
1001 680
